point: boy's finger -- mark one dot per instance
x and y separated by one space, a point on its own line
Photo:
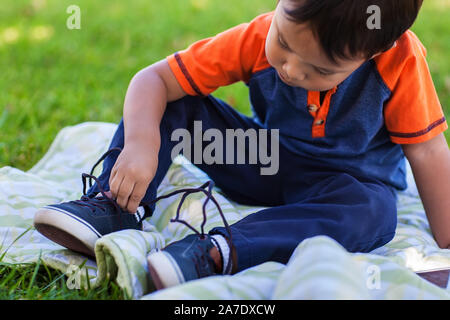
115 185
108 194
136 197
111 177
124 192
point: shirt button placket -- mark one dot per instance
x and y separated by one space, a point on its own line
313 110
318 129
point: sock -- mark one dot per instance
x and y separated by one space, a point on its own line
223 247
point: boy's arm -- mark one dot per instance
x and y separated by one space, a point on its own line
144 106
430 163
146 99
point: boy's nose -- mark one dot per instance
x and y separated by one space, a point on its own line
301 76
293 75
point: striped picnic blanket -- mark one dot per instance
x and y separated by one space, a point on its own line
318 269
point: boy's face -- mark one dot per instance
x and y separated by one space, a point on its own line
297 56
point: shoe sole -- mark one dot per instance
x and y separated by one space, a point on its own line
67 230
164 271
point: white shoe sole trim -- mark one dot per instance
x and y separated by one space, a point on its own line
169 272
69 223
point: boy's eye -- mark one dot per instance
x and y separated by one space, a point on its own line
282 43
323 73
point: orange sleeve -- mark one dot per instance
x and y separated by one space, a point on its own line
228 57
413 114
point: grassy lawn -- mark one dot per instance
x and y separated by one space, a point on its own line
37 281
53 77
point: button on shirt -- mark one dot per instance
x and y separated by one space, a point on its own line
312 108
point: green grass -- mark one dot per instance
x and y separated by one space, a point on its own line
38 282
53 77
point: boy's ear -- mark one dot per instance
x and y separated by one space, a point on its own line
377 54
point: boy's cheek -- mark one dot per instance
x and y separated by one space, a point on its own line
272 57
270 51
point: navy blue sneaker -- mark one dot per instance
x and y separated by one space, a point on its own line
78 224
191 258
182 261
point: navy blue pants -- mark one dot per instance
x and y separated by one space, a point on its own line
305 198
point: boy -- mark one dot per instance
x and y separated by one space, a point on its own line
349 102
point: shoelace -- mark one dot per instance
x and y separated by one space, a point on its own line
95 202
201 261
206 188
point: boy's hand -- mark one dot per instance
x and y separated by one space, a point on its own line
131 175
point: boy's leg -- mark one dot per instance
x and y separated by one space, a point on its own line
358 213
307 198
241 182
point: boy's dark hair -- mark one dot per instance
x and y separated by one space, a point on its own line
341 25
